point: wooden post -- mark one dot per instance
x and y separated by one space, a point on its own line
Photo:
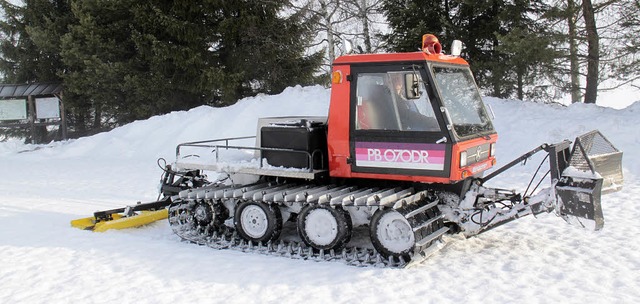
63 118
32 118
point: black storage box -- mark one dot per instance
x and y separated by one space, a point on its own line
301 135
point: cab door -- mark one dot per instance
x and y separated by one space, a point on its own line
397 127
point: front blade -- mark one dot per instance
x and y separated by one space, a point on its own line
579 201
593 152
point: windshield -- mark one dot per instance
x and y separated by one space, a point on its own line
462 100
383 104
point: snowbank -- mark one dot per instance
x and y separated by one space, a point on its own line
42 259
524 125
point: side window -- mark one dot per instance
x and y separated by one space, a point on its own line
374 108
382 104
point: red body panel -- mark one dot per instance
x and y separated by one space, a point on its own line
339 124
338 133
398 57
474 169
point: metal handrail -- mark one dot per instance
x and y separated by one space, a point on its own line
199 143
204 144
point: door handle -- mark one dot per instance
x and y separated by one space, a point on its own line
442 140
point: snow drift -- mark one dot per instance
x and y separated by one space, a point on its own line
43 187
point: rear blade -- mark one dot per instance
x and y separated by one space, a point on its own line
118 221
121 218
144 218
88 223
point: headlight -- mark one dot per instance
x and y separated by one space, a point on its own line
463 159
492 150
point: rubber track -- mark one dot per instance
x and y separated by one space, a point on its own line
426 218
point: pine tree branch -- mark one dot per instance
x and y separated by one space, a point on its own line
624 83
600 6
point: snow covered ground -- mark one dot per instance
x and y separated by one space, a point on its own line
544 260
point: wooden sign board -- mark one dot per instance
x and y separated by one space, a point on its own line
47 108
13 109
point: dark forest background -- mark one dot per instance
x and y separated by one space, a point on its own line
124 60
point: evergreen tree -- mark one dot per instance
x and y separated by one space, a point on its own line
122 60
30 48
409 20
627 67
595 41
527 50
174 47
473 22
136 59
483 26
261 51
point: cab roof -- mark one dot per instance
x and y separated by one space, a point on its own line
398 57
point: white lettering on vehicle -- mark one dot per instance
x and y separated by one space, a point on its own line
398 155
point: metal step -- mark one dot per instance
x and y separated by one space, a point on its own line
428 223
420 210
440 232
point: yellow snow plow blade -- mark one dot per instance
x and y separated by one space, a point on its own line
88 223
122 218
120 222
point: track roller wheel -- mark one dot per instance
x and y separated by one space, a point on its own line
257 221
391 234
203 213
323 227
209 216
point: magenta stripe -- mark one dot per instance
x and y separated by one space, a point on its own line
434 153
430 159
390 145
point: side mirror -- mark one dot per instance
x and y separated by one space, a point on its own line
412 86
